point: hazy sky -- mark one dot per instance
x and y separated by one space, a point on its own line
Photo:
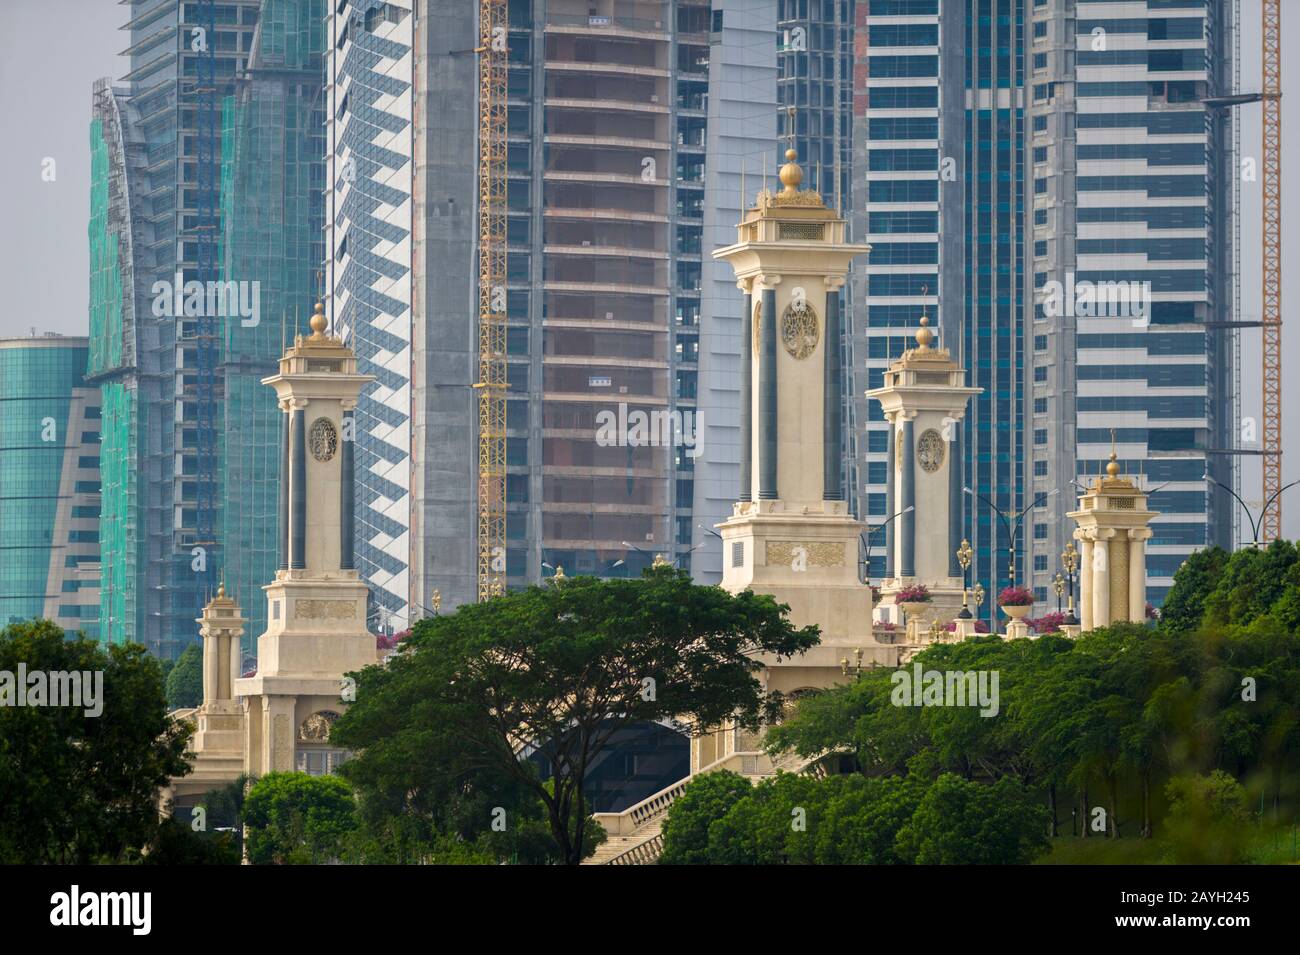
52 51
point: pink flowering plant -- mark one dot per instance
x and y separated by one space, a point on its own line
1047 623
1015 597
918 594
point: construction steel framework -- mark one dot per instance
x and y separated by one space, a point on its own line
205 328
1271 11
491 384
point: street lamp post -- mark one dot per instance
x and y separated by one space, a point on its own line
658 560
978 594
1254 524
1012 535
870 536
1070 561
1058 584
964 554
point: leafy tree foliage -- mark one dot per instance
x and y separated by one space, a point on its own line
853 820
686 830
1206 814
224 805
297 819
1106 721
557 671
177 844
185 681
1184 605
965 823
76 788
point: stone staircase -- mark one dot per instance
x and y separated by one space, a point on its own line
635 835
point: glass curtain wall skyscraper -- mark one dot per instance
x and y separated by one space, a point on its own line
201 171
49 484
1131 200
815 83
369 240
272 214
938 150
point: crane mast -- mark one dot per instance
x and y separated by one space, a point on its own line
491 384
1271 522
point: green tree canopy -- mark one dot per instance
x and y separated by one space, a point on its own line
793 819
686 830
556 671
964 823
185 681
294 818
1184 605
77 788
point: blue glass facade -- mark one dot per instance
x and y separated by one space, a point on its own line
49 484
993 332
1131 178
939 133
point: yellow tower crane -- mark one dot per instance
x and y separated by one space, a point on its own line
1271 94
491 383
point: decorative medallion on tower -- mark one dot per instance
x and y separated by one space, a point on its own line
316 728
929 451
799 330
324 439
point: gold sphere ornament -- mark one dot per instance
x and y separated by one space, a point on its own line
791 175
318 321
924 336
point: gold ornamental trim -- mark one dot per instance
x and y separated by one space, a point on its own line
812 553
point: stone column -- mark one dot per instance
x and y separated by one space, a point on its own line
278 735
907 557
1101 581
767 406
833 375
1137 574
1085 583
746 397
298 492
211 661
952 462
284 492
235 662
347 492
891 501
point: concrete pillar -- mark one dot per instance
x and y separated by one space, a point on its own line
746 398
211 659
235 661
831 403
347 491
278 735
1101 583
1137 577
952 462
907 555
767 489
1085 583
284 493
891 502
298 492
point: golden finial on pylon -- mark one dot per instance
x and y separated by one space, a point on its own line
318 321
791 174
